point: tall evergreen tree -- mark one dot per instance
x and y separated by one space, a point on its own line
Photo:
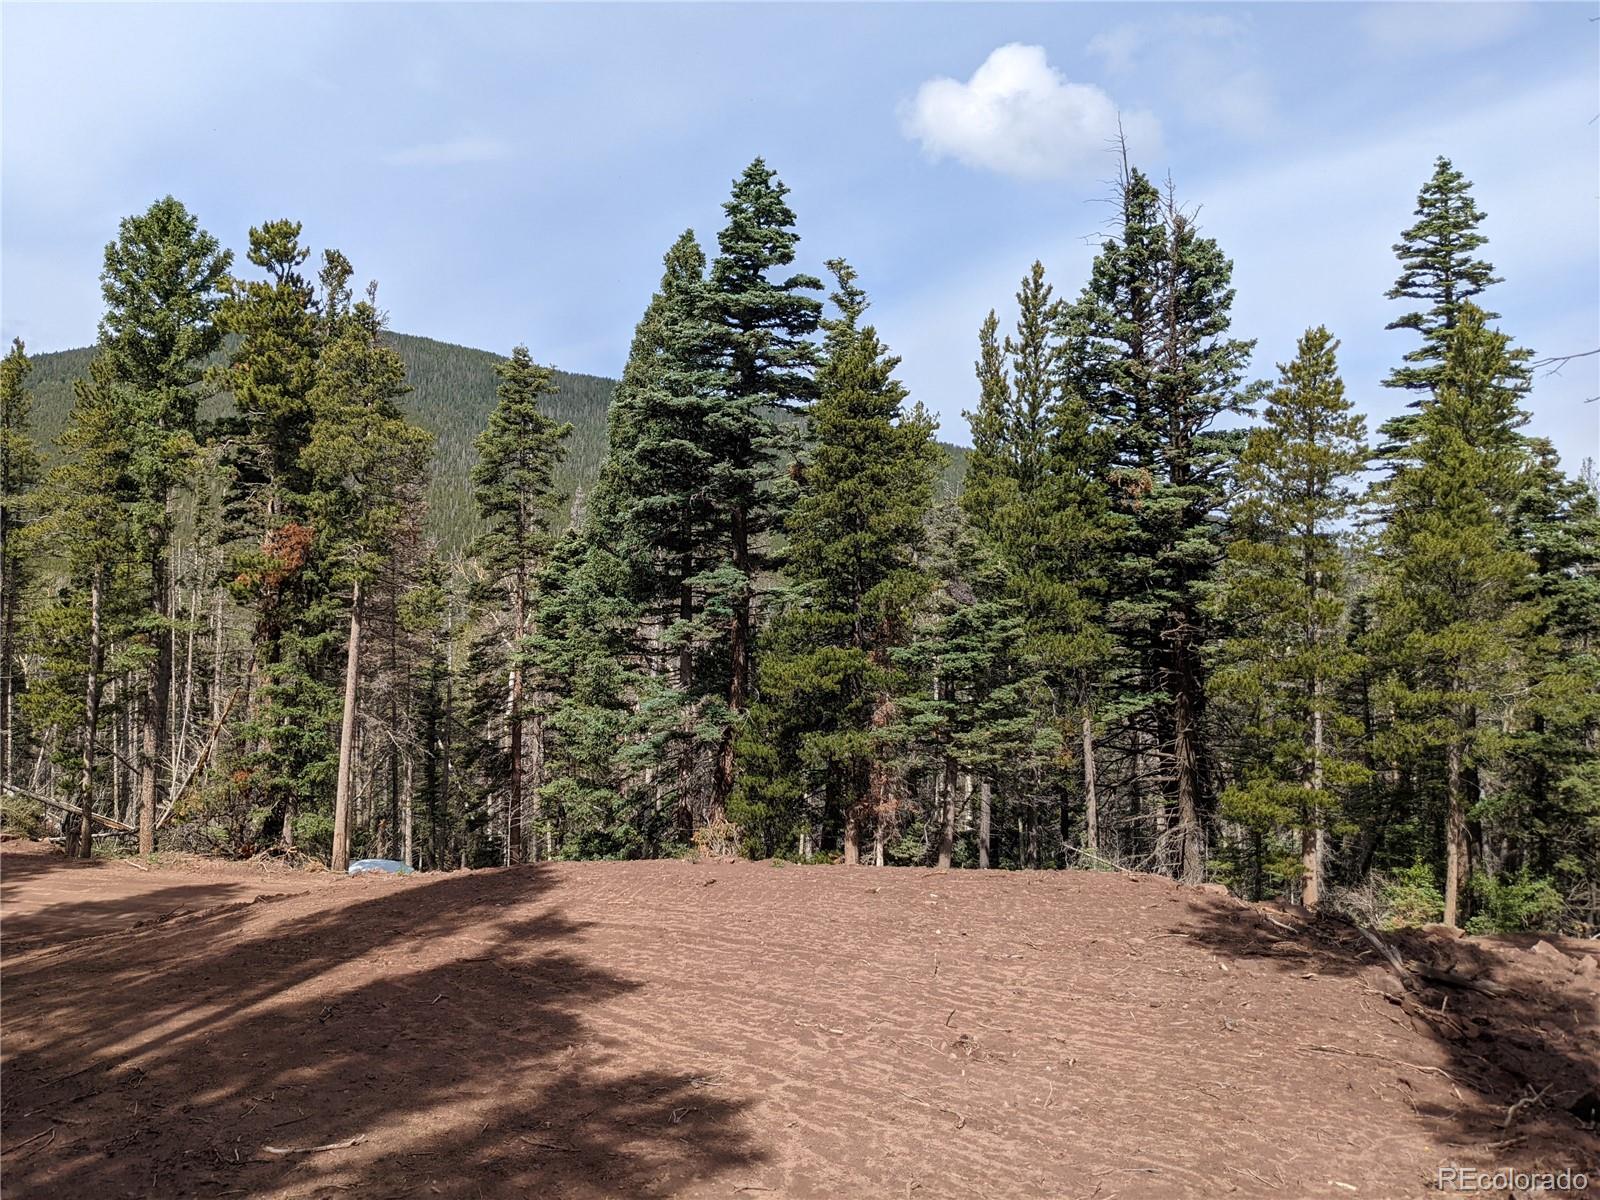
1440 268
1284 591
1155 362
763 336
19 472
1449 613
367 463
829 682
271 374
514 483
162 288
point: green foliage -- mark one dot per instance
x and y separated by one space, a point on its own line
1514 903
828 679
1283 593
1411 897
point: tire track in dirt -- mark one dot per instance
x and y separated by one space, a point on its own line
659 1029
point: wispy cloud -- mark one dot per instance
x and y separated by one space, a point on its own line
1403 30
1021 117
1208 60
457 152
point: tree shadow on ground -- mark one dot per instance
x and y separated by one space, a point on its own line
1516 1071
438 1027
71 919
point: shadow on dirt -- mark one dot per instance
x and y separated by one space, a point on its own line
441 1036
1519 1030
70 919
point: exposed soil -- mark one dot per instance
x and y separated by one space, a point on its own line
745 1029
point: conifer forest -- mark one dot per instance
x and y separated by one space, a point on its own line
280 581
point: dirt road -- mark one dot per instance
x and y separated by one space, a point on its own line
745 1029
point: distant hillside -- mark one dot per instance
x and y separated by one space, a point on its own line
452 392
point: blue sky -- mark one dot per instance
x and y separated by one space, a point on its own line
513 173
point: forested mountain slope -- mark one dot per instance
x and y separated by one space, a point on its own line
452 392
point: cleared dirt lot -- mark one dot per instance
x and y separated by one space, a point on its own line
744 1029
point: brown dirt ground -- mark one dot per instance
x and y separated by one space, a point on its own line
743 1029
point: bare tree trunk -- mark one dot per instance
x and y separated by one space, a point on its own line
347 737
852 833
1185 764
984 812
91 719
1455 833
947 830
738 664
406 816
535 770
519 607
1311 835
157 683
1091 797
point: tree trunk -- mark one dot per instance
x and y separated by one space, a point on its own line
519 604
157 683
947 831
852 833
1185 764
535 771
347 738
1455 833
91 721
984 809
1311 835
1091 798
738 663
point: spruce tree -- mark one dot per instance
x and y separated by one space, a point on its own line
19 472
1439 267
162 287
1036 488
1154 362
1284 590
762 331
1449 612
829 683
367 464
653 509
270 375
514 486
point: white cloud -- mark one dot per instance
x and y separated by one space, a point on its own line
450 154
1404 30
1021 117
1206 63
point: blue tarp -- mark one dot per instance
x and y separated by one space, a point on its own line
391 866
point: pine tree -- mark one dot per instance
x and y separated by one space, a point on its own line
1153 361
161 285
763 328
19 472
1449 615
1284 590
1439 268
271 374
1553 806
829 682
653 509
367 464
87 504
514 485
1036 487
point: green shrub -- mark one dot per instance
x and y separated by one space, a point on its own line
1520 903
1410 897
21 816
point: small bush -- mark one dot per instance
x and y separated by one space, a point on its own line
1410 897
1520 903
21 816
